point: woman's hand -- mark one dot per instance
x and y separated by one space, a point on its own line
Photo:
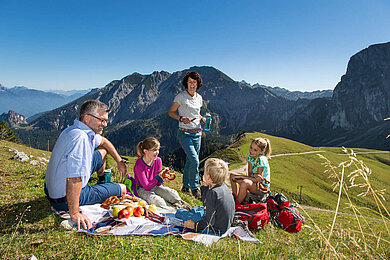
186 120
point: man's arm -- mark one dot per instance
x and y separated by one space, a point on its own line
73 189
112 151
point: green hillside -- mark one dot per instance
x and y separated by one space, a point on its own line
289 169
28 226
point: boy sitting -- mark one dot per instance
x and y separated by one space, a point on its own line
217 200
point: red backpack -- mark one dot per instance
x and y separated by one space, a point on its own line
255 214
284 216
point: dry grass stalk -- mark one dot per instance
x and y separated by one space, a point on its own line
357 178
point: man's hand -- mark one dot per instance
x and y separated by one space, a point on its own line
189 224
122 167
73 189
81 219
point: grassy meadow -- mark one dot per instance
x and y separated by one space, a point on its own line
28 226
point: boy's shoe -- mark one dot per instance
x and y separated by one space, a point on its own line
243 224
186 190
196 193
182 205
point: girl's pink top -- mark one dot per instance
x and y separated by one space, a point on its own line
145 174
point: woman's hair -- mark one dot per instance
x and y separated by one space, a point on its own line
148 144
264 145
217 169
91 106
193 75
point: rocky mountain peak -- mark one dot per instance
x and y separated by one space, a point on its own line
363 94
13 119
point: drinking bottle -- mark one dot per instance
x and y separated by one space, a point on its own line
207 123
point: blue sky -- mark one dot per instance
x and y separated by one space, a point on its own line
298 45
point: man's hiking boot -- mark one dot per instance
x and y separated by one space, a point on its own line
196 193
100 180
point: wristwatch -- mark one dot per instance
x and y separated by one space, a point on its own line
180 118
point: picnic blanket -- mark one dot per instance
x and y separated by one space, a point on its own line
104 225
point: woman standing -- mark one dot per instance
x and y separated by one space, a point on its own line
186 109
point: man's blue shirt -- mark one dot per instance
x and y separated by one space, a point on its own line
71 158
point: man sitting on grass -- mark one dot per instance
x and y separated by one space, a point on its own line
80 150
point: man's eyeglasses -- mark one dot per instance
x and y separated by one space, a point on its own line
103 121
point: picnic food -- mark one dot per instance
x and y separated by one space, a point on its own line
167 174
137 211
261 187
116 210
130 209
142 203
114 200
124 213
152 208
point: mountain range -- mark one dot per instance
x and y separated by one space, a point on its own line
293 95
353 116
29 102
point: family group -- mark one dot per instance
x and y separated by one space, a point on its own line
81 150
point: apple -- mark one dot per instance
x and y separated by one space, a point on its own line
116 210
137 211
152 208
142 203
130 209
124 213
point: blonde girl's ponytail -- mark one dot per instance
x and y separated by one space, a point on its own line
267 150
264 146
147 143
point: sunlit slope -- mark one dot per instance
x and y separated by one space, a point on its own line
293 164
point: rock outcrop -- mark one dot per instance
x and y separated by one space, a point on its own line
13 119
362 96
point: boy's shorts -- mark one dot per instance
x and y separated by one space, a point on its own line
94 194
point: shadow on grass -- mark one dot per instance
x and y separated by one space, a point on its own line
32 212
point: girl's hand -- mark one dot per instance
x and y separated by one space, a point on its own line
165 179
189 224
203 119
259 178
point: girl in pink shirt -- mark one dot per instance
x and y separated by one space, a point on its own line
147 171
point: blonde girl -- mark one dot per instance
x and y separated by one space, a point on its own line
258 171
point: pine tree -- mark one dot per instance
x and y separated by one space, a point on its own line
7 134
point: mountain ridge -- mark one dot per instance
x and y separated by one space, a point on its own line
140 102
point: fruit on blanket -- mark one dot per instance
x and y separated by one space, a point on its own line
137 212
130 209
152 208
142 203
116 210
124 213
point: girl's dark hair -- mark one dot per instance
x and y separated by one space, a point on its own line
148 143
193 75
